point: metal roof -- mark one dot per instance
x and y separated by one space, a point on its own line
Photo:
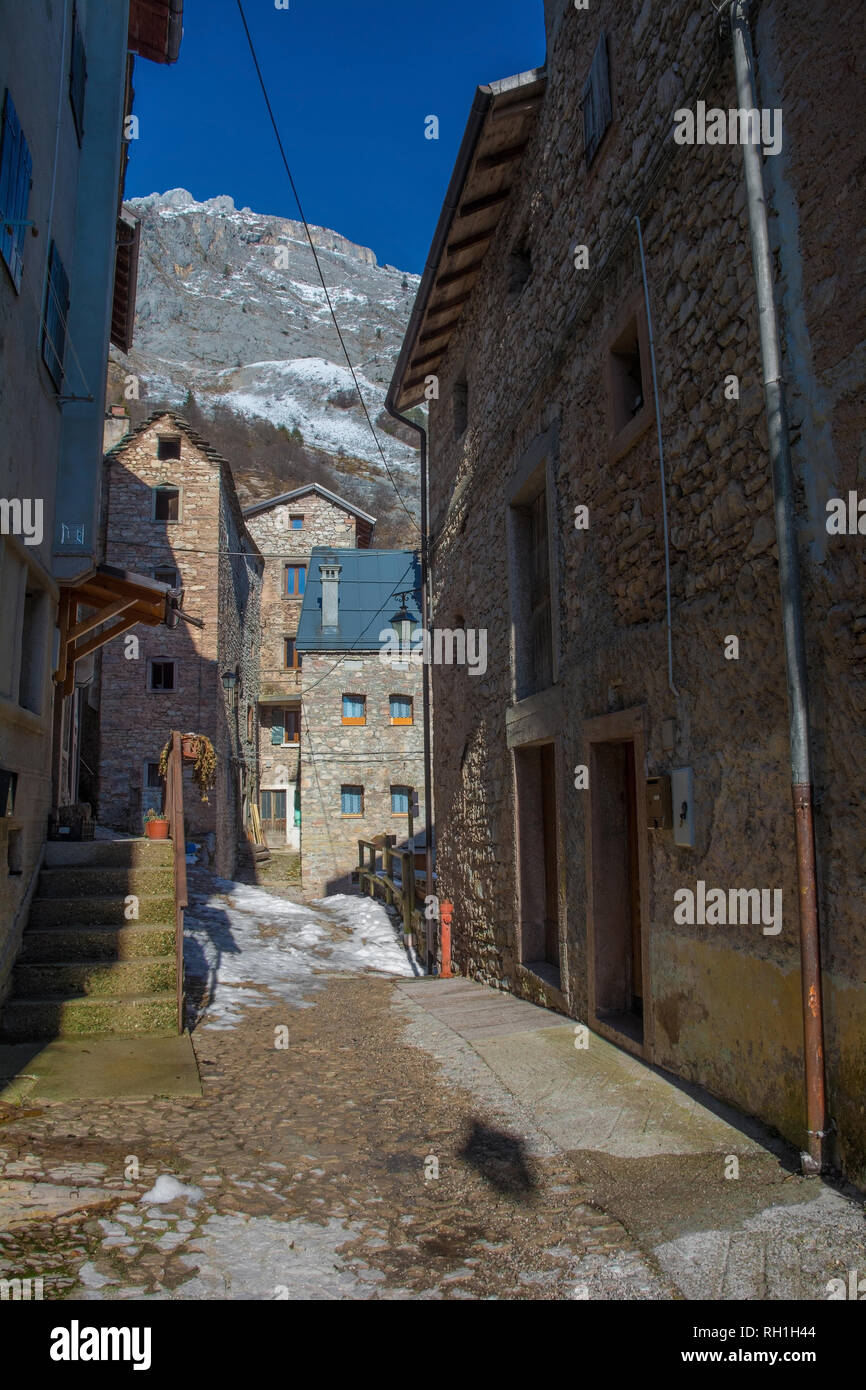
370 584
499 128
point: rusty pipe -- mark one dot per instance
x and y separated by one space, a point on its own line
793 627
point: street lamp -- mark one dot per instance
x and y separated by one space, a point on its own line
230 680
402 623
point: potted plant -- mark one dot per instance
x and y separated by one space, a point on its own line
204 764
156 825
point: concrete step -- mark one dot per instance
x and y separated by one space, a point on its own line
85 1015
140 852
101 911
73 942
101 881
147 975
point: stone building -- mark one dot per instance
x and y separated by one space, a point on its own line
286 528
67 288
576 883
361 749
171 511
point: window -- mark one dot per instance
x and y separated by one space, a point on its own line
401 801
167 574
292 726
296 523
354 709
595 101
16 168
166 503
8 787
162 676
519 270
13 581
352 801
626 377
541 637
168 446
401 709
296 580
293 657
152 777
461 406
249 723
34 635
55 317
77 75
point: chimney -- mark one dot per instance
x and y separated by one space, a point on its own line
330 595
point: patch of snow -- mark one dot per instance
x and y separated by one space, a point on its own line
167 1188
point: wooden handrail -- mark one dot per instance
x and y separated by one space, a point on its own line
174 811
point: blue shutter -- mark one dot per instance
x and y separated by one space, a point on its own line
56 311
16 169
351 799
400 801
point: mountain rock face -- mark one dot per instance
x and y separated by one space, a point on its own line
233 329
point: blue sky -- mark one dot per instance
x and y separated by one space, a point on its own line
351 82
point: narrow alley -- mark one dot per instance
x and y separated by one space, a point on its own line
364 1132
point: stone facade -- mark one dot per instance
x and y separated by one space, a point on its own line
325 520
220 570
375 756
537 374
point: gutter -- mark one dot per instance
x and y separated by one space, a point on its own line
817 1126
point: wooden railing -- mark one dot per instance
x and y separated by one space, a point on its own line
401 893
174 811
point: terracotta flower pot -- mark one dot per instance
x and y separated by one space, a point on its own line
189 746
156 829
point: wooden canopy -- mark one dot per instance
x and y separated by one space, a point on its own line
108 593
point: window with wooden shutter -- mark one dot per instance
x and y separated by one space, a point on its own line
277 734
16 168
56 313
77 75
595 101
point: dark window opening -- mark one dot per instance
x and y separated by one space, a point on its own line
162 675
626 376
77 75
168 446
540 631
16 169
595 101
166 574
166 504
461 407
519 270
293 657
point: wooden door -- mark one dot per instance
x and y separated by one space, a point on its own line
273 812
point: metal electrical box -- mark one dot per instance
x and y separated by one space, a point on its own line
658 803
683 795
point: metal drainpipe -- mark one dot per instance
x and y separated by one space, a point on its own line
792 607
425 678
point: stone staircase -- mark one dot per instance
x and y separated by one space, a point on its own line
83 968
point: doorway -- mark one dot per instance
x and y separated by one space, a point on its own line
538 860
273 812
617 880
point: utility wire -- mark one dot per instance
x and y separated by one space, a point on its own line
318 265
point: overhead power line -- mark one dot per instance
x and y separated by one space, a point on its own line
318 264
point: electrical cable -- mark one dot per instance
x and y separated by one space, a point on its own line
318 264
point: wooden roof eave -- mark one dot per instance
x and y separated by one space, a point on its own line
497 134
114 596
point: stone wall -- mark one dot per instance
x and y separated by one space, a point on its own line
219 587
324 523
376 756
722 1003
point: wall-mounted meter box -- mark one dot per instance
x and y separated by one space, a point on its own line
658 803
683 796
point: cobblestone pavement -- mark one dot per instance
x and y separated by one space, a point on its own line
349 1163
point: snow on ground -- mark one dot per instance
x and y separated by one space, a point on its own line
251 946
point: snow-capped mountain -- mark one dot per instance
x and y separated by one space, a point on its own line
230 307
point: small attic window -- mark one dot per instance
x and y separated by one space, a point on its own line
168 446
519 269
461 406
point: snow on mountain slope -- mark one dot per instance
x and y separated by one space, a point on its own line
230 306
